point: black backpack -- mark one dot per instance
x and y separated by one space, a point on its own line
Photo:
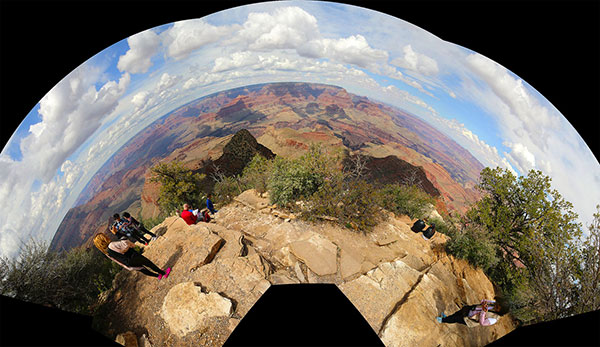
429 232
418 226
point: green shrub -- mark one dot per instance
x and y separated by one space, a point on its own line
178 186
472 245
353 204
228 188
69 281
407 200
291 181
296 179
256 174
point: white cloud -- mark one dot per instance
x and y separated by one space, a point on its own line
520 157
534 119
287 27
406 96
351 50
142 47
189 35
235 61
486 154
71 112
417 62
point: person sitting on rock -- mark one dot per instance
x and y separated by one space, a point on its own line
188 214
137 226
191 216
209 204
121 227
475 315
123 253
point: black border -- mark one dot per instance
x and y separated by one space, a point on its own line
553 45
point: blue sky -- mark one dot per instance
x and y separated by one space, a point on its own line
94 110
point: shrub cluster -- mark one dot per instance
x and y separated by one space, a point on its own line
70 281
407 200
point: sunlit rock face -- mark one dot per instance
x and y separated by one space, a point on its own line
397 280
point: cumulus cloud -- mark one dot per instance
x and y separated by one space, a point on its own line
352 50
287 27
520 157
70 113
142 47
535 120
186 36
417 62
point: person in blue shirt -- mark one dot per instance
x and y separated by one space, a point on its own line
210 205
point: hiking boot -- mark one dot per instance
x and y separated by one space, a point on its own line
438 319
159 276
167 272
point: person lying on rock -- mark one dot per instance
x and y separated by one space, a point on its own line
137 226
123 253
122 227
191 216
475 315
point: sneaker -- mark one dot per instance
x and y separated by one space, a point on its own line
444 315
145 243
438 319
159 276
153 238
167 272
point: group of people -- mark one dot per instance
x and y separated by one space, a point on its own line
129 228
128 231
193 216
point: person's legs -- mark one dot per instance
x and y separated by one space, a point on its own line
146 231
148 272
135 234
458 316
140 260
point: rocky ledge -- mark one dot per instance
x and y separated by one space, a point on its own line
396 279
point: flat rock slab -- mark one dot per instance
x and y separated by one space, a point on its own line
318 253
186 309
252 199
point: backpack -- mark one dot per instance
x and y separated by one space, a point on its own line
418 226
429 232
206 216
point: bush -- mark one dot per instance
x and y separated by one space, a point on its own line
296 179
228 188
291 181
472 245
69 281
353 204
256 174
407 200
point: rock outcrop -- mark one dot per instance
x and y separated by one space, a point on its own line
396 279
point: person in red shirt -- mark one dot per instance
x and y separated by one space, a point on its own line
188 216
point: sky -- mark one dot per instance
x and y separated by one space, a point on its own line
100 105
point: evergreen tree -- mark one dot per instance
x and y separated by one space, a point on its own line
179 185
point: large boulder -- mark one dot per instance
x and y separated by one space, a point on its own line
186 308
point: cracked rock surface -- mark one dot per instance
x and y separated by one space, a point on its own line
397 280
